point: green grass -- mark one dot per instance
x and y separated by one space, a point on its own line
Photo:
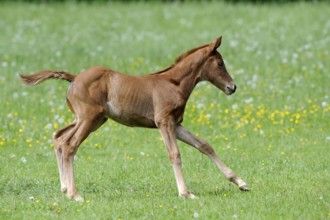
274 132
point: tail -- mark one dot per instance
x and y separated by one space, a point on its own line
37 78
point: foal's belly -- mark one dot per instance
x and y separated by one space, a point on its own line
129 117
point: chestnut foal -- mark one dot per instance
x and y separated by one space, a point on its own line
153 101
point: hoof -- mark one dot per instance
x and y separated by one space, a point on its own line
76 198
244 188
188 196
63 189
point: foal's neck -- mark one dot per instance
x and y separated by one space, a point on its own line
186 74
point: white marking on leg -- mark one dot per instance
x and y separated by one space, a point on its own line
174 155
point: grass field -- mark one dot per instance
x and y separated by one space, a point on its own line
273 132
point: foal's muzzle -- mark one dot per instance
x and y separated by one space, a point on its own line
230 89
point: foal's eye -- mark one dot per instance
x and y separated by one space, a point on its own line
220 63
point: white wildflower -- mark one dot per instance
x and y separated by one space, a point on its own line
196 215
249 100
23 159
239 71
49 126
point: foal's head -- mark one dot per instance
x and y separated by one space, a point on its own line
214 69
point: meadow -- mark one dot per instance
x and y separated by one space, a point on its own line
273 132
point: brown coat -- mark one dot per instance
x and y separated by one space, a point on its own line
153 101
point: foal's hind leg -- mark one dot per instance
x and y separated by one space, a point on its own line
59 138
205 148
82 129
69 149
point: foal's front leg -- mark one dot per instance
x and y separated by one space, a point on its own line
167 131
204 147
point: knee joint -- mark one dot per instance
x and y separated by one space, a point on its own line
175 157
68 154
206 148
69 150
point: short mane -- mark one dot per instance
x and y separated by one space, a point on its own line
184 55
181 57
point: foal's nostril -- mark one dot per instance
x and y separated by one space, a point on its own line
231 89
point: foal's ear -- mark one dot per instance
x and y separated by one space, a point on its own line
216 43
